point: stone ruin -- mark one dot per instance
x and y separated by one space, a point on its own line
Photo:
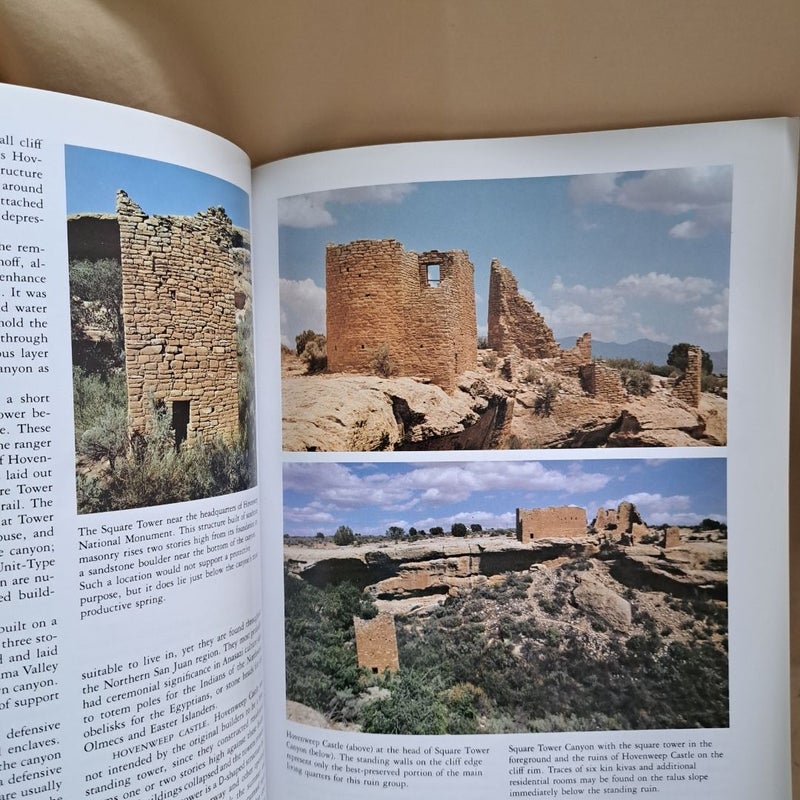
418 310
623 523
376 643
555 521
672 538
689 385
516 327
180 321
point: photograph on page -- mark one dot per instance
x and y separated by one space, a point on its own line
576 311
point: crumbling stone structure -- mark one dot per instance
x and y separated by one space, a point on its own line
555 521
179 320
601 381
417 309
624 521
513 320
376 643
672 538
688 386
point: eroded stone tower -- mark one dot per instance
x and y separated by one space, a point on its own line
180 321
418 308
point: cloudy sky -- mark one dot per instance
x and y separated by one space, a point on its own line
371 497
623 255
94 176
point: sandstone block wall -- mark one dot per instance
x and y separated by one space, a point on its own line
672 537
688 386
180 320
603 382
513 320
555 521
376 643
571 361
420 307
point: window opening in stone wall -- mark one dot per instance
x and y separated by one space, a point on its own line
433 274
180 420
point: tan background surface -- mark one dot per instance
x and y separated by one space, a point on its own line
283 77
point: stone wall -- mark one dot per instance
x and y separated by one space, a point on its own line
672 538
376 643
570 361
180 321
603 382
623 519
513 320
418 307
552 522
688 386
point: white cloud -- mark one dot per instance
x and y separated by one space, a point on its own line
713 318
338 486
302 308
311 210
703 193
666 288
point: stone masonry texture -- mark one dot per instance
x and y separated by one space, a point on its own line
376 643
687 387
555 521
513 321
180 320
418 308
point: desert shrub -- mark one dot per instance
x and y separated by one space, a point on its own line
344 535
476 527
302 339
413 706
531 374
107 439
95 395
95 289
490 360
715 384
315 355
483 342
458 529
543 405
320 656
636 381
382 363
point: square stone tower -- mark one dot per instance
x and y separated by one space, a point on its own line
180 322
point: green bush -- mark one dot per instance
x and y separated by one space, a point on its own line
382 363
344 535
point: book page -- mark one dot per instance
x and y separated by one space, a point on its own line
534 465
130 614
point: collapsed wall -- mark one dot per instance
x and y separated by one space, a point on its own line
179 320
555 521
513 321
416 309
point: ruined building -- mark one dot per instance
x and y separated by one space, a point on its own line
179 320
376 643
515 326
624 522
688 386
555 521
418 310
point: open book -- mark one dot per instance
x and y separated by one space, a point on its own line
446 469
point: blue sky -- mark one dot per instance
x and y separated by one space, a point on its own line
622 255
94 176
369 497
